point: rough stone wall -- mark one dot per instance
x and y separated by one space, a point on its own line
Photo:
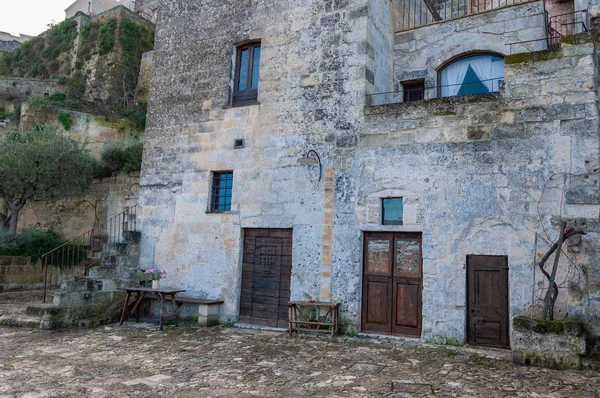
380 67
97 130
96 6
143 84
471 169
420 53
15 87
474 169
311 93
18 273
70 218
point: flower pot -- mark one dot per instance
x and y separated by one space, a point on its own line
154 284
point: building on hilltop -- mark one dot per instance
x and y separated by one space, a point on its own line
10 42
453 137
144 8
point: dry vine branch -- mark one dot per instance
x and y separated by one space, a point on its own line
566 233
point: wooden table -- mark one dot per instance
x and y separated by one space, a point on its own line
162 294
313 316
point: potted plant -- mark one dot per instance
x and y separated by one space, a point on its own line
155 275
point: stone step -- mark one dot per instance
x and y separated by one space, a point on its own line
42 309
20 320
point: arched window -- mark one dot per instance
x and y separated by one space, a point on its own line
472 75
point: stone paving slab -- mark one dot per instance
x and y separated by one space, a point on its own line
218 362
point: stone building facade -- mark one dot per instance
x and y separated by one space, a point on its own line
10 42
475 183
145 8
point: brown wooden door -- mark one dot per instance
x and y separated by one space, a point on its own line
266 274
487 298
392 284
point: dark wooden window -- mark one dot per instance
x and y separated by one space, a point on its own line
392 211
247 70
222 183
414 90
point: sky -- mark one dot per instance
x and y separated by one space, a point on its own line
31 17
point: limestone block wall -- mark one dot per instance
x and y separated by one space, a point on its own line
475 172
18 273
420 53
143 84
97 130
380 66
105 199
18 88
489 174
311 93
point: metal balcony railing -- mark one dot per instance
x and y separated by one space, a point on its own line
415 13
567 24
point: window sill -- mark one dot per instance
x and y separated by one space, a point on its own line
218 212
240 105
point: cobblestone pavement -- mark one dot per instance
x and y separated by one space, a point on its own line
137 360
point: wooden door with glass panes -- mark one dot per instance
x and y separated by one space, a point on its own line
392 284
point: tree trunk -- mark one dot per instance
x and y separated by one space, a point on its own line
552 292
13 220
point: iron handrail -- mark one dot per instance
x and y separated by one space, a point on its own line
67 259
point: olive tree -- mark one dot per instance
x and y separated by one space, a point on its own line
42 164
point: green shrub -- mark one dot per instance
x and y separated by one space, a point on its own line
17 112
132 158
105 39
111 158
100 172
66 120
137 116
116 158
31 243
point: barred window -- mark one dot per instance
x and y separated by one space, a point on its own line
222 183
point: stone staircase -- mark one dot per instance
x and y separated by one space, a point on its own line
84 301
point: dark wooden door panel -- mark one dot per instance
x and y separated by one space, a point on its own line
487 300
376 311
266 275
407 308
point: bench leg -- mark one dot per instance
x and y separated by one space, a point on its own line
124 313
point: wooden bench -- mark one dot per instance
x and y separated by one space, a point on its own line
208 310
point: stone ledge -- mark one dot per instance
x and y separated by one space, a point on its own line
438 106
550 344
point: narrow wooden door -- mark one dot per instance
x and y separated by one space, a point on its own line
392 283
266 274
487 300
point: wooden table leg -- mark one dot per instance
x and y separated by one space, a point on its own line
137 303
290 319
125 308
162 308
175 310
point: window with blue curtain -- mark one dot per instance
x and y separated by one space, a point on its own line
472 75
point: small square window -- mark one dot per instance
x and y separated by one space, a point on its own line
413 90
238 143
222 183
392 211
